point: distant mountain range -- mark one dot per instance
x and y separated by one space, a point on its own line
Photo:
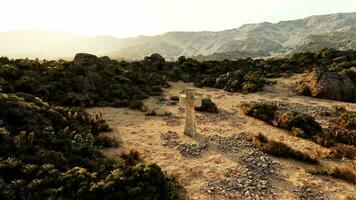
250 40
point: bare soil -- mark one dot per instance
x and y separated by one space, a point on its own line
214 165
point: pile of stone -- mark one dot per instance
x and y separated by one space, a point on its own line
254 181
173 120
170 139
307 109
205 118
232 144
305 192
192 150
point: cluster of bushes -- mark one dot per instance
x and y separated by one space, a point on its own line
340 138
49 152
343 131
301 124
85 81
279 149
92 81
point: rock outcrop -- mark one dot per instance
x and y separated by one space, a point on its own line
327 85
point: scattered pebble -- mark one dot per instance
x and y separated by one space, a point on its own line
254 181
205 118
231 144
170 139
306 192
192 150
173 120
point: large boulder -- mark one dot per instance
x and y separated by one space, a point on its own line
157 58
87 61
327 85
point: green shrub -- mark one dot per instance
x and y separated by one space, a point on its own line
49 152
280 149
261 111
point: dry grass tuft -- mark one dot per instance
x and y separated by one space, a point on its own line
280 149
347 173
131 158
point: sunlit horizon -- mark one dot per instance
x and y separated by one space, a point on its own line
151 17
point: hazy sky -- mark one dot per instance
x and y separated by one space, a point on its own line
123 18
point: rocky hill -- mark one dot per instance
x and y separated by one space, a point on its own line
253 40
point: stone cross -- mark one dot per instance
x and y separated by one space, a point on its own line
190 101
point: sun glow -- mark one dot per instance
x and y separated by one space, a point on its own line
125 18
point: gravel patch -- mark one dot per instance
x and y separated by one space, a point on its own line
204 118
173 120
307 109
306 192
170 139
232 144
191 150
254 181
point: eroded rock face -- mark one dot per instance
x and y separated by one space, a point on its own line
327 85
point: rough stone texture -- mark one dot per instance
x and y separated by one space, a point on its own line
254 180
233 144
173 120
85 59
191 150
327 85
157 58
170 139
306 192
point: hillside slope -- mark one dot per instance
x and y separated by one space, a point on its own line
335 30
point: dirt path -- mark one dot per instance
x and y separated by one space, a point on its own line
219 169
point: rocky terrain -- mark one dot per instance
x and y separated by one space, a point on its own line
224 161
278 128
250 40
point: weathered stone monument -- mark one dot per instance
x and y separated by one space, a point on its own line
189 99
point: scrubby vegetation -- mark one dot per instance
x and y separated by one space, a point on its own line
347 173
49 152
281 150
92 81
302 124
207 105
52 152
339 135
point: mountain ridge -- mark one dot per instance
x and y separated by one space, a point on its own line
255 38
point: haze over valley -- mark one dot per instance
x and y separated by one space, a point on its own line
250 40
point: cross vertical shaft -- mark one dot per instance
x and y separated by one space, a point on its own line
190 128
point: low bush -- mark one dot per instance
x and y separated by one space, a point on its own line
347 173
280 149
343 151
305 124
207 105
262 111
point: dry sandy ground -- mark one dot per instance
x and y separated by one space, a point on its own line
140 132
